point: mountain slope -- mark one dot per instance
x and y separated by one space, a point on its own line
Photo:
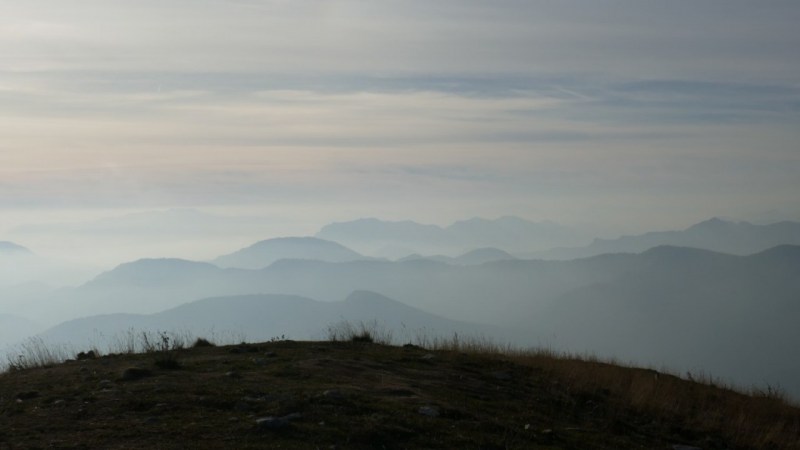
691 310
264 253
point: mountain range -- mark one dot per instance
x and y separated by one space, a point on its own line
738 238
473 257
263 317
398 239
686 308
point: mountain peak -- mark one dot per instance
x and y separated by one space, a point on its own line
714 223
12 248
266 252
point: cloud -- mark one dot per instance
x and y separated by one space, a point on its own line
216 102
715 39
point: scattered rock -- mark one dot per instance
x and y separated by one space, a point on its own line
277 423
430 411
685 447
333 394
292 416
135 373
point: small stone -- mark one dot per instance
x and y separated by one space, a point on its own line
428 356
105 384
685 447
430 411
334 394
232 374
151 420
292 416
270 354
272 423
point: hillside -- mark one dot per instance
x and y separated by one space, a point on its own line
299 395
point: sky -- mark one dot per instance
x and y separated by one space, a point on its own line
625 115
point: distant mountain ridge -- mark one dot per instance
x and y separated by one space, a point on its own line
511 234
266 252
261 317
738 238
473 257
10 248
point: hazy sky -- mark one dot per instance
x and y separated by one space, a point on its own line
634 113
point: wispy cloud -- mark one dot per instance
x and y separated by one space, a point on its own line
209 102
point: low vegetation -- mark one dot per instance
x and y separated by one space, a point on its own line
355 391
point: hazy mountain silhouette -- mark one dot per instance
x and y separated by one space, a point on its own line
511 234
494 292
14 328
20 265
691 310
687 308
261 317
739 238
264 253
10 248
473 257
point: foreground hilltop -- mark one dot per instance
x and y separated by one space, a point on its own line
345 394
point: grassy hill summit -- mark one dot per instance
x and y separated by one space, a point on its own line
356 392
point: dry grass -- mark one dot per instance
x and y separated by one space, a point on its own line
760 418
34 352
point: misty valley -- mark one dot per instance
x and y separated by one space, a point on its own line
718 299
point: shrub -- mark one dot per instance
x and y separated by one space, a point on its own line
363 332
202 342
